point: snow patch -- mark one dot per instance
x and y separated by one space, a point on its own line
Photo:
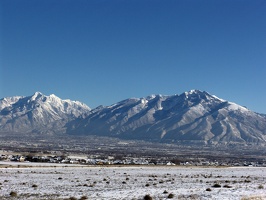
163 134
234 106
57 182
218 98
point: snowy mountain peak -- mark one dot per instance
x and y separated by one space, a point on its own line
194 116
193 91
53 96
222 100
36 95
236 107
8 101
54 100
38 113
154 96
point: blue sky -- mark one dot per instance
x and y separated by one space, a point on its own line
101 51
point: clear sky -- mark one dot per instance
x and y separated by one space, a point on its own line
103 51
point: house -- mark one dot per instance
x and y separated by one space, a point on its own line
21 158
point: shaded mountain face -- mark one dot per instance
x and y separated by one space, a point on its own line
38 113
194 117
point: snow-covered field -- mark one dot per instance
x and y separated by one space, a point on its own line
63 182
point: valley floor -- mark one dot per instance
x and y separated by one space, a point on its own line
79 182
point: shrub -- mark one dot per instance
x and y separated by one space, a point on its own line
260 187
147 197
227 186
252 198
216 185
83 198
13 194
170 196
73 198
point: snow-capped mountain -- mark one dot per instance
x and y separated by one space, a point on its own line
38 113
193 116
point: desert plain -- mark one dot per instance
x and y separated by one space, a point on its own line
59 181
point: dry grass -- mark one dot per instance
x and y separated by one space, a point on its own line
253 198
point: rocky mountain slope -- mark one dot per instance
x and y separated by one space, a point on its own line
38 113
194 117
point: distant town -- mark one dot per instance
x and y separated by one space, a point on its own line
111 160
97 151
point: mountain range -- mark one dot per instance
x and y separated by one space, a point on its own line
195 117
39 113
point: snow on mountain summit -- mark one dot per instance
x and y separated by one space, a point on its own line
38 112
8 101
194 116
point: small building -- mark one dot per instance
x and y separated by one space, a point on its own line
21 159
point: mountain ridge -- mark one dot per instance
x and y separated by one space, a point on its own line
191 116
38 113
194 116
